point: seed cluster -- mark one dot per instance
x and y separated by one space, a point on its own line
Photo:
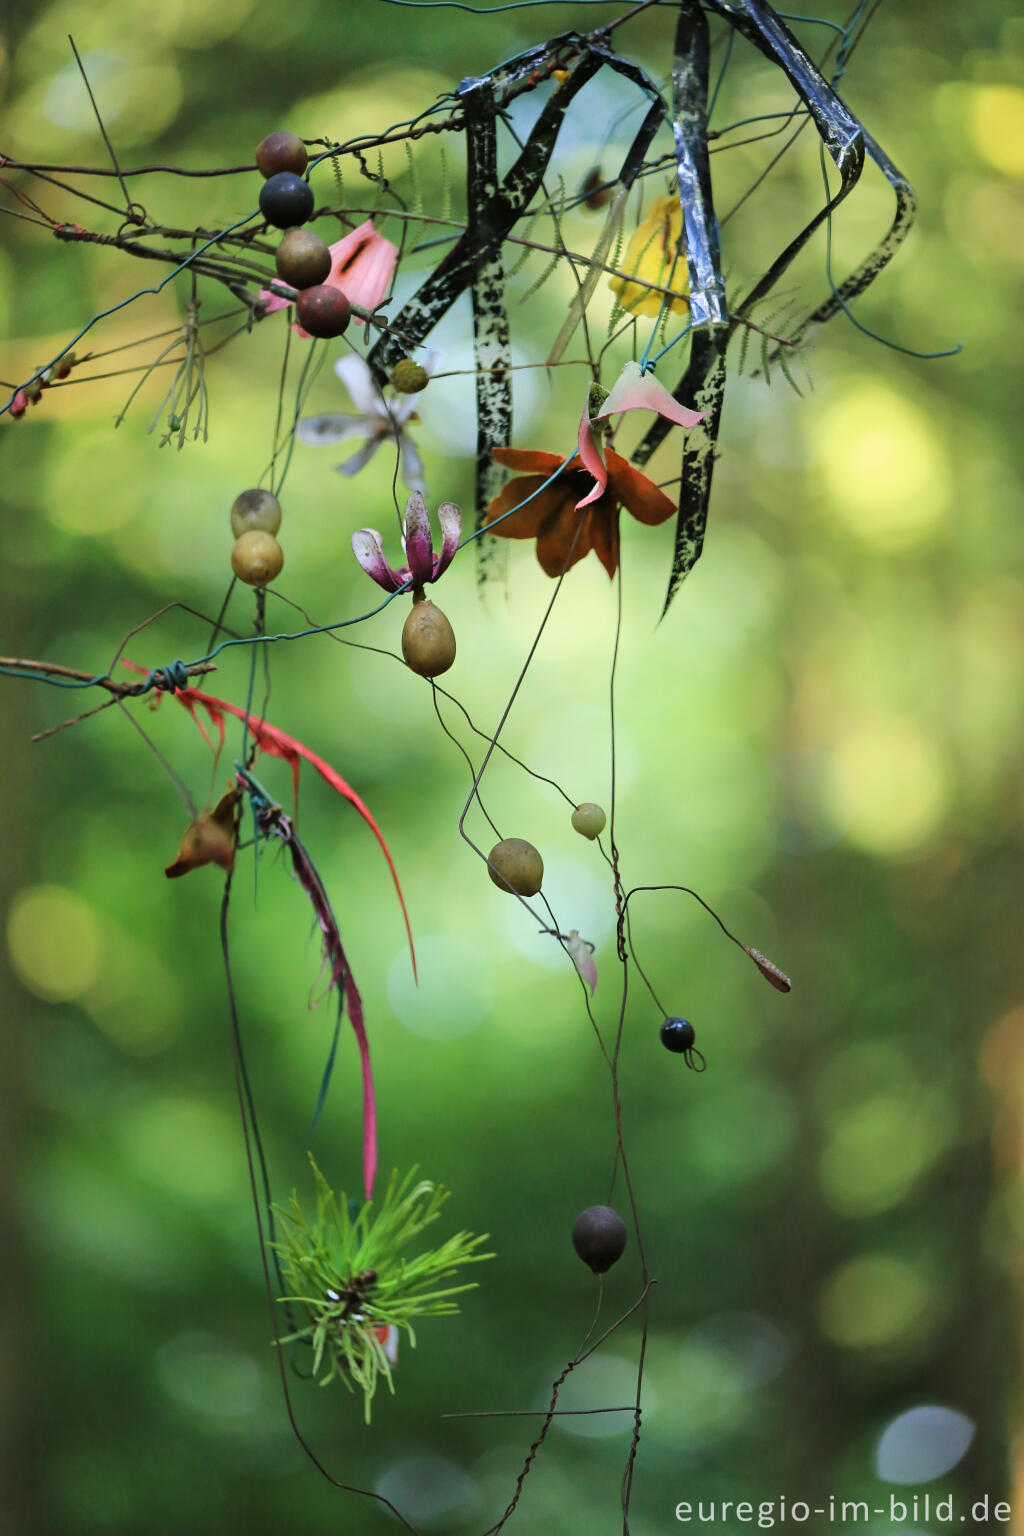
303 260
257 557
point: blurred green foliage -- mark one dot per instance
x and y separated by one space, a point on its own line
823 737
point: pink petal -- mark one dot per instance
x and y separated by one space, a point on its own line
579 953
591 457
368 548
450 518
361 266
636 391
418 541
19 405
273 301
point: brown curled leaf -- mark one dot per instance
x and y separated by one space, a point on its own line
770 971
210 839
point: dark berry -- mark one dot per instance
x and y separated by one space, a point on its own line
281 151
285 199
599 1236
322 310
303 259
678 1035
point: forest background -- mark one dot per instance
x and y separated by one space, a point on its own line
823 737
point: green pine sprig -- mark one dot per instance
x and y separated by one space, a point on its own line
347 1268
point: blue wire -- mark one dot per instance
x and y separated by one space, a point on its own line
319 629
684 332
486 10
131 300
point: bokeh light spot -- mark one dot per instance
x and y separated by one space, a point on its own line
455 992
886 785
54 941
873 1300
997 126
602 1381
923 1444
741 1131
185 1146
878 1150
206 1375
196 23
886 469
429 1490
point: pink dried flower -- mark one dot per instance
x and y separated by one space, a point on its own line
417 541
633 390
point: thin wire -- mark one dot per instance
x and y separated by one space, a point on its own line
894 346
103 131
265 639
122 304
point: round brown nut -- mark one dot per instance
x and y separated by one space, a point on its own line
302 258
323 310
428 640
281 151
257 558
515 865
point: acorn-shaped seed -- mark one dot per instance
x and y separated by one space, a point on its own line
599 1237
322 310
255 511
302 258
514 864
409 377
428 640
588 819
257 558
285 200
678 1035
281 151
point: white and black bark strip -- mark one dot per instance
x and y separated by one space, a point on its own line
864 275
491 349
840 132
481 244
703 384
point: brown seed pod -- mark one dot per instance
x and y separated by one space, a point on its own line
515 865
255 511
599 1237
281 151
428 640
322 310
257 558
302 258
409 377
594 192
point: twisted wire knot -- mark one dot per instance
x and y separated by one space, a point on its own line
171 677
